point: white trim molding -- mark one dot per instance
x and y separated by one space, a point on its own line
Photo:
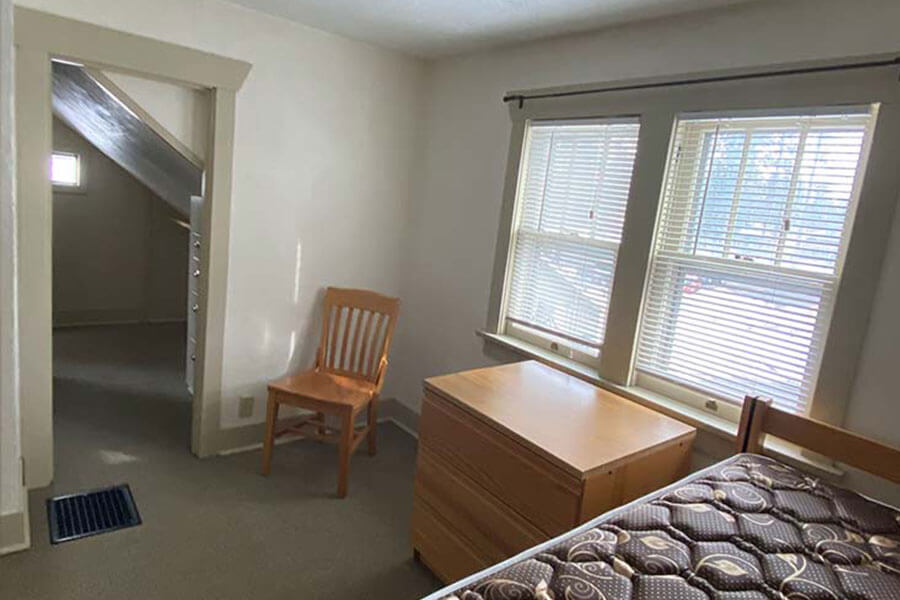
15 528
41 37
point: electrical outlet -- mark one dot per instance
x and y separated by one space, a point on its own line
245 407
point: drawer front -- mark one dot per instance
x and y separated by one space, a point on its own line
538 490
487 524
440 548
606 490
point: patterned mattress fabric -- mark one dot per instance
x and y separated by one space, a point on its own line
748 528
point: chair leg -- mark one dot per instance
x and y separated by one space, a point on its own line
371 421
269 440
344 450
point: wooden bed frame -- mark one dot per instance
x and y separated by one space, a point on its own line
759 418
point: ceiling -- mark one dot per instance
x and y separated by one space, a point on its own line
433 28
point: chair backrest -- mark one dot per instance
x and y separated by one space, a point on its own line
357 328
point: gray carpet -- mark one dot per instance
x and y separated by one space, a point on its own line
213 528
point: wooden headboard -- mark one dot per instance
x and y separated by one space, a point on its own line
759 418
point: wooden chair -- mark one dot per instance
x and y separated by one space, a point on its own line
759 418
357 328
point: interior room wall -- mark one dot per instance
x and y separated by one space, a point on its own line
184 112
454 221
119 254
324 144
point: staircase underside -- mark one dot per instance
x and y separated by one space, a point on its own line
92 110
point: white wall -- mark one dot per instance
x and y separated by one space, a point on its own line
118 254
10 451
453 226
324 144
182 111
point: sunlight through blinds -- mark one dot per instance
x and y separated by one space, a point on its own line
755 217
573 191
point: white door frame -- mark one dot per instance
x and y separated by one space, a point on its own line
40 37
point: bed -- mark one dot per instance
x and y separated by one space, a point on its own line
747 528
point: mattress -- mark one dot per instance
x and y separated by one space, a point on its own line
747 528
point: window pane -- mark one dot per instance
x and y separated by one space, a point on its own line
64 169
825 179
718 182
760 202
560 286
731 333
573 191
754 217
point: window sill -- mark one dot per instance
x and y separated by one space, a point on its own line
75 190
700 419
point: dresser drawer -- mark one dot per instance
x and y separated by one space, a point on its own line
448 555
491 528
539 491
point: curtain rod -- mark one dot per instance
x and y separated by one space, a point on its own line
521 98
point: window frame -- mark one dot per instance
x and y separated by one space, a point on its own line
695 396
78 186
522 331
656 107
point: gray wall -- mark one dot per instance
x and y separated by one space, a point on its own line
118 255
453 225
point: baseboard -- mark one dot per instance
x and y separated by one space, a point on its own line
68 319
241 439
15 529
249 437
246 438
394 411
257 445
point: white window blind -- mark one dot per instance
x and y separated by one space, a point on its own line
573 189
755 217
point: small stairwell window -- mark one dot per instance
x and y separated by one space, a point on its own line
754 223
573 189
65 169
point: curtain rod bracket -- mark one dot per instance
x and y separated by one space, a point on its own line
517 97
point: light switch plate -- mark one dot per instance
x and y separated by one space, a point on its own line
245 407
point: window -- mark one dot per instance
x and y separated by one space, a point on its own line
573 189
65 169
754 222
748 259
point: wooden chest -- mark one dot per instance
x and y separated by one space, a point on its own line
513 455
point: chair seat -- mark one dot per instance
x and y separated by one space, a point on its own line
326 387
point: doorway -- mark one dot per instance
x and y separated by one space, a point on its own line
127 172
40 38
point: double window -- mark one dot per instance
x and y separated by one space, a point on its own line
741 267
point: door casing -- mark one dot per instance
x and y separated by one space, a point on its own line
39 38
